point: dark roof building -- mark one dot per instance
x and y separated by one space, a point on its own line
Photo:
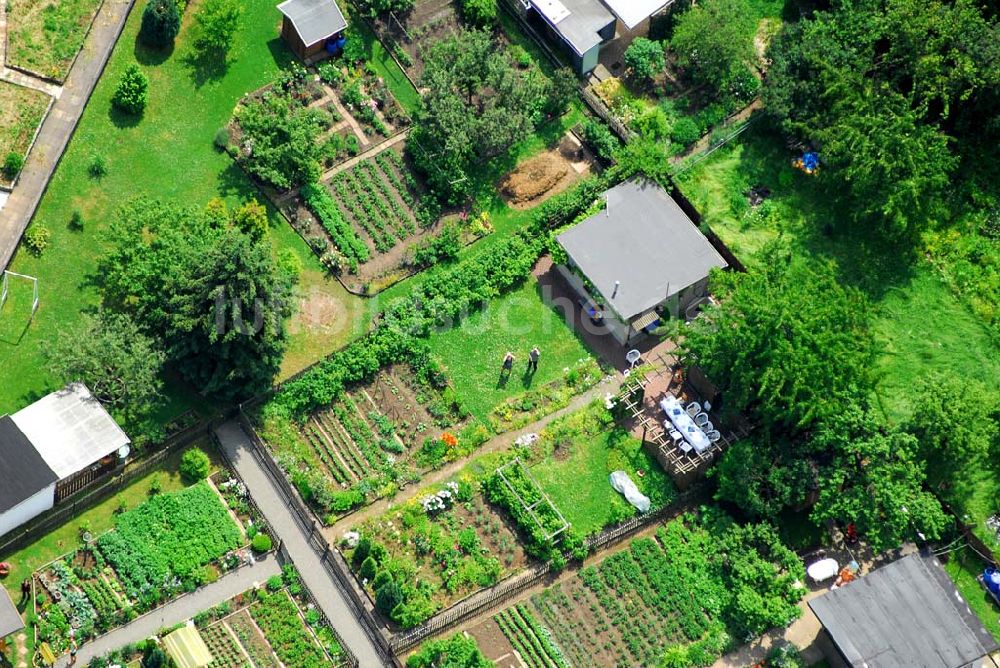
308 24
641 250
907 614
23 472
583 25
10 619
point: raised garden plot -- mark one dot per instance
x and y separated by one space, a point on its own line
433 551
167 545
681 593
409 33
365 444
21 112
44 36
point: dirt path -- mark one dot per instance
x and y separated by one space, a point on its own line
346 115
370 153
497 444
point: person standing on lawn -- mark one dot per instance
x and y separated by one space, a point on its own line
533 359
508 364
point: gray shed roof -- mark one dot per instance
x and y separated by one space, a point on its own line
314 20
906 614
23 472
10 619
577 21
644 241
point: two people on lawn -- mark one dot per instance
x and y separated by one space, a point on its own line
508 363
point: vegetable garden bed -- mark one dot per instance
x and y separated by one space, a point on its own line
168 545
44 37
21 112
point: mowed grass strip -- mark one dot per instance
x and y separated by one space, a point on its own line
168 154
44 36
473 350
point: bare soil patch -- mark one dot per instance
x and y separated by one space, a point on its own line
494 644
542 176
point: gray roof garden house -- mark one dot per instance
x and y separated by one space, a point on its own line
906 614
583 26
52 447
10 618
641 258
309 24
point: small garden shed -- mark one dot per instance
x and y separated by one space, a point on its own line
639 261
309 26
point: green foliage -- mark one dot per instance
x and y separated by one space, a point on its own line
36 239
521 493
161 21
195 465
378 8
478 106
261 543
457 651
132 92
440 248
12 165
561 89
387 597
160 546
367 572
214 296
155 657
479 13
685 131
601 139
645 58
278 617
347 241
218 22
280 139
275 583
822 359
98 167
117 361
712 39
251 219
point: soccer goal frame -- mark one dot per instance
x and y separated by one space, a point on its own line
6 284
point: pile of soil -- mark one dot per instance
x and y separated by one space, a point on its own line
534 178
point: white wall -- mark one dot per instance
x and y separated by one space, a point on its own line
27 509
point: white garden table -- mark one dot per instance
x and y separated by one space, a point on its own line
691 432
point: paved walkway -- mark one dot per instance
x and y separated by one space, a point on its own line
60 124
334 533
178 611
295 538
373 151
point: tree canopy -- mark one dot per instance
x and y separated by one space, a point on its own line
645 58
213 296
218 21
713 41
478 106
161 21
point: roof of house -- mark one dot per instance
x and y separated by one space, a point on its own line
644 242
23 472
10 619
906 614
70 429
314 20
577 21
187 648
634 12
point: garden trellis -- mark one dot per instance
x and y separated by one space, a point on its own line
541 498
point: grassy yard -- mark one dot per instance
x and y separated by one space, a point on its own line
21 110
964 566
920 323
168 154
44 37
473 350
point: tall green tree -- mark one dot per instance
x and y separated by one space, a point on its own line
161 21
713 39
218 21
118 362
645 58
213 296
787 342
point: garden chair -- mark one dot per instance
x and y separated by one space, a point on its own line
676 436
714 436
707 427
701 419
686 448
693 408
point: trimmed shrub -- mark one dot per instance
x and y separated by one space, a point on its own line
161 21
195 465
132 92
685 131
12 165
37 239
98 166
261 543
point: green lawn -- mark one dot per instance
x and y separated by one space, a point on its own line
576 479
167 154
472 351
964 566
920 323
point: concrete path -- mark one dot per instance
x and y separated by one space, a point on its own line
60 124
373 151
334 533
295 538
178 611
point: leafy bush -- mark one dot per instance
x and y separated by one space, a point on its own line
97 168
37 239
76 220
601 139
388 596
221 139
444 246
261 543
685 131
479 12
280 139
12 165
375 8
645 58
195 465
161 21
347 241
457 651
132 92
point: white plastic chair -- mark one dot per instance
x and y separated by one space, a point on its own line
686 447
714 436
701 419
632 357
676 436
707 427
693 408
